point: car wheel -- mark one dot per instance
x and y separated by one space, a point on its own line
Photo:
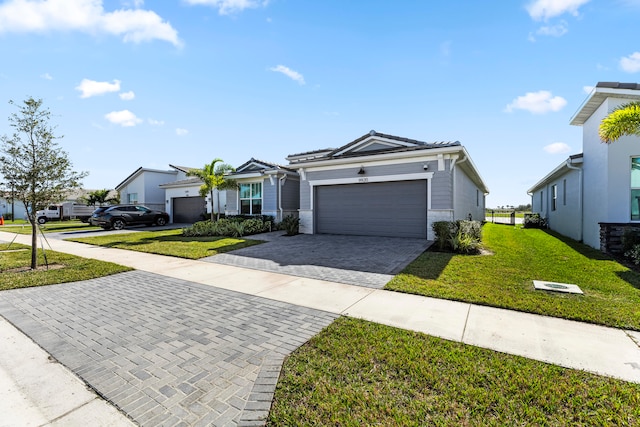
118 224
161 221
42 220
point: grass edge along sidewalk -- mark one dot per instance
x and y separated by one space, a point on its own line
62 268
518 256
361 373
169 242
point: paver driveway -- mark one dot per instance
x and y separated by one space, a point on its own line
354 260
167 351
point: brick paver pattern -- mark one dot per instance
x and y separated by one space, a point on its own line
167 352
355 260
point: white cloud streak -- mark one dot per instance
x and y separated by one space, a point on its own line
228 7
631 63
154 122
541 10
127 96
293 75
537 103
46 76
124 118
91 88
557 148
557 30
181 131
88 16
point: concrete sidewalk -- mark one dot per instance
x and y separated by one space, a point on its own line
606 351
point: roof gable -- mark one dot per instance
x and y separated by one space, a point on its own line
602 91
254 165
369 144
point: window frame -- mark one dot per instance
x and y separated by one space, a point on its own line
554 197
632 189
252 198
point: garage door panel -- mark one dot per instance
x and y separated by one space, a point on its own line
188 209
373 209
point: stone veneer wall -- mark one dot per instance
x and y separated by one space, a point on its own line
611 236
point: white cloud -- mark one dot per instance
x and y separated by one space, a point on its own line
545 9
153 122
181 131
226 7
445 48
91 88
46 76
557 30
127 96
88 16
124 118
557 148
631 63
293 75
587 89
537 102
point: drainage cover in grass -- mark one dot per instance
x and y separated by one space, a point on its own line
556 287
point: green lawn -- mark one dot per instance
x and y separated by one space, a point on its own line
73 268
49 227
504 279
169 242
357 373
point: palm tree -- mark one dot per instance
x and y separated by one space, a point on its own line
213 177
100 197
623 120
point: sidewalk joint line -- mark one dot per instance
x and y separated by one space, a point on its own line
344 312
466 320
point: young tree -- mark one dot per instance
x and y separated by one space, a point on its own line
623 120
214 177
38 168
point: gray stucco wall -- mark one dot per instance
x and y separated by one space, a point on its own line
440 186
469 199
291 195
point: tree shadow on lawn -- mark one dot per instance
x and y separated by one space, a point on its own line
429 265
242 242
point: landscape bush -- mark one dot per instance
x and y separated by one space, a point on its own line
462 236
534 221
290 224
230 226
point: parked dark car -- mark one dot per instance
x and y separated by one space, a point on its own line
95 214
120 216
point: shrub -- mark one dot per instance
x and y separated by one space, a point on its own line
630 238
290 224
460 236
230 226
534 221
633 254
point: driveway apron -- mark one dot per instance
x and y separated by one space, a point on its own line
167 351
354 260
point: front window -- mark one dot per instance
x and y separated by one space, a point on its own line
635 189
554 197
251 198
133 198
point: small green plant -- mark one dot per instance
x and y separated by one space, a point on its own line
534 221
460 236
291 225
229 226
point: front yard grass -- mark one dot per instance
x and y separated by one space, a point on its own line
169 242
357 373
504 279
49 227
64 268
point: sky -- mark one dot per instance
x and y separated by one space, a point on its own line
132 83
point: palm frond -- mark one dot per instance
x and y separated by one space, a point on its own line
623 120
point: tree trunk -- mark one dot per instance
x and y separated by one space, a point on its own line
34 243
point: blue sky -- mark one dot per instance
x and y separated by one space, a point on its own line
134 83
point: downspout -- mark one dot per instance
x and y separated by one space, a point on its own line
281 181
580 202
454 192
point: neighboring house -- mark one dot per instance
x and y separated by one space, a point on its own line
143 186
599 188
385 185
168 190
264 188
9 207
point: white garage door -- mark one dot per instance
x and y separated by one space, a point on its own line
395 209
